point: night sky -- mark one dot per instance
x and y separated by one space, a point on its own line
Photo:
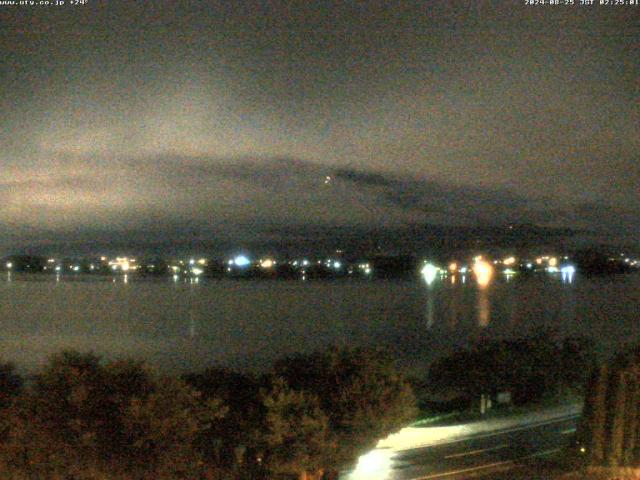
235 119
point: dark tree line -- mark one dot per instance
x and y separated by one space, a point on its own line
530 368
82 418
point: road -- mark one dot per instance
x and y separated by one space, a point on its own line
486 454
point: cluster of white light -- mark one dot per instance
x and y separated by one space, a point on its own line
568 271
366 268
123 263
429 273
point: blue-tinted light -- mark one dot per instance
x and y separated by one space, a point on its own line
241 261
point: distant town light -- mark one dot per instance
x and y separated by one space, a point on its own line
568 271
483 272
241 261
122 263
429 273
453 266
509 260
9 265
267 263
337 265
197 271
553 262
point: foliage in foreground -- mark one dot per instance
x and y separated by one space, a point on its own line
82 418
531 368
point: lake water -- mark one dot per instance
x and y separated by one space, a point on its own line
185 325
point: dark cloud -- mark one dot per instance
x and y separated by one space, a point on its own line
229 115
179 201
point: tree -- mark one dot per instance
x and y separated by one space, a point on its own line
296 436
530 368
82 418
163 426
362 392
10 384
237 431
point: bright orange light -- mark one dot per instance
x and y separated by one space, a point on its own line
483 272
509 260
553 262
453 267
267 263
539 261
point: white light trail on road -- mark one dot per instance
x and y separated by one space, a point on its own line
476 452
381 459
375 465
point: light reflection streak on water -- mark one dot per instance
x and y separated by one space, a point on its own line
484 273
567 275
484 308
454 312
430 307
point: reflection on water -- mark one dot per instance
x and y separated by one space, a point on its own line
454 311
567 274
483 272
484 309
430 305
190 323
